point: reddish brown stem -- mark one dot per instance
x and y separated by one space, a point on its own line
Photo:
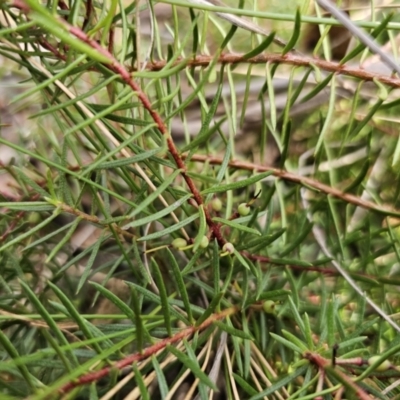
325 365
148 352
324 271
52 49
302 180
290 58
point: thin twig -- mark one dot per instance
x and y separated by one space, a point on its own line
292 59
302 180
148 352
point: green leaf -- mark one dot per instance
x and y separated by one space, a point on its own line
205 131
129 160
295 340
30 232
89 264
374 34
202 228
360 177
193 366
262 242
163 295
157 300
144 393
13 353
308 334
261 47
63 241
31 182
237 226
216 267
161 381
367 118
295 35
203 136
180 284
271 94
281 383
245 385
170 229
232 331
276 295
352 342
328 119
295 243
237 185
158 215
115 300
242 260
152 196
30 206
321 86
75 315
212 308
296 314
330 319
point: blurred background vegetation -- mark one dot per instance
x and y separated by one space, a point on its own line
199 202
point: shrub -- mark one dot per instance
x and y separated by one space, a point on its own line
192 207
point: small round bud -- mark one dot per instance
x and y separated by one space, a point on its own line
179 243
34 218
381 367
228 248
204 242
180 324
243 209
269 307
216 204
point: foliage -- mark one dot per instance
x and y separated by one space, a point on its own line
195 208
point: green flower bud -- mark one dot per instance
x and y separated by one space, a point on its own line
204 242
228 248
34 218
243 209
381 367
216 204
178 243
269 307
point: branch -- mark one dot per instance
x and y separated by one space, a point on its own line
290 58
148 352
304 181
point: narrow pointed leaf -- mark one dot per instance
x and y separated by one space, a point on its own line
238 184
180 284
193 366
